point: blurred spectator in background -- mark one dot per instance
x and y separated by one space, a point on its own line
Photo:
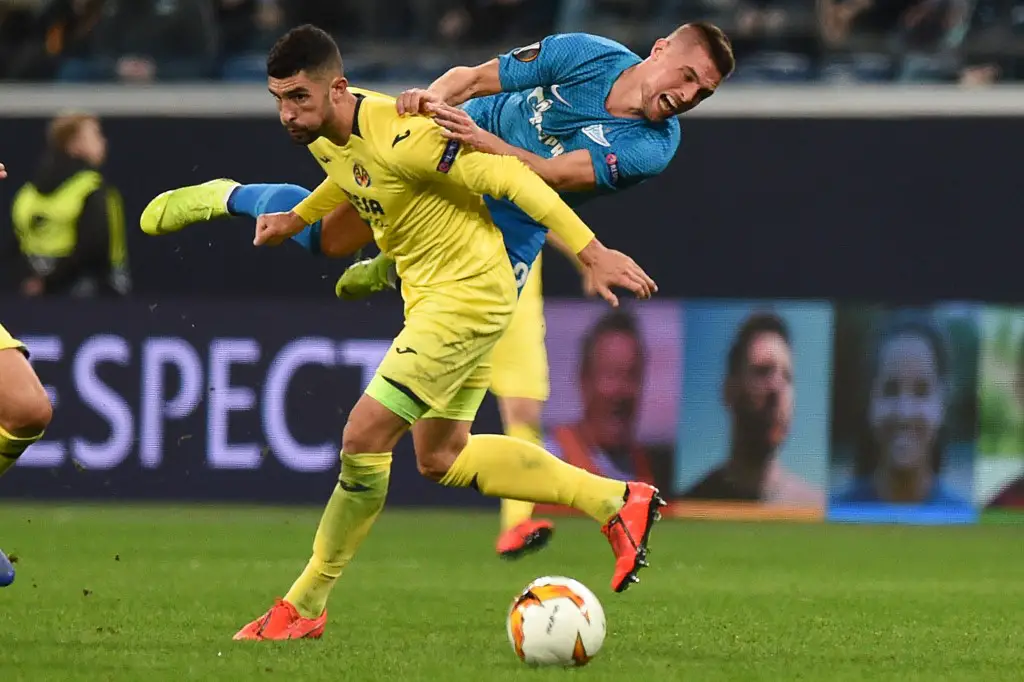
776 41
58 30
68 221
611 377
907 40
487 21
16 21
143 40
248 25
758 392
903 445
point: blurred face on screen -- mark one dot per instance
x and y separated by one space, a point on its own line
763 403
907 402
304 103
611 389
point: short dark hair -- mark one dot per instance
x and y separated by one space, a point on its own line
304 48
752 327
614 322
717 44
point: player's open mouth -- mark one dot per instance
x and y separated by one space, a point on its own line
669 103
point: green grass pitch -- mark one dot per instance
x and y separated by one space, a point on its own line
120 593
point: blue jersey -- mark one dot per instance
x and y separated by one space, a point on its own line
863 491
553 102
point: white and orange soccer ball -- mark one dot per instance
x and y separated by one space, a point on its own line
556 621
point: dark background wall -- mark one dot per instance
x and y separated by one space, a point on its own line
911 209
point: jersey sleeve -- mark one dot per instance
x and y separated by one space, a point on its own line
548 62
430 158
630 159
324 199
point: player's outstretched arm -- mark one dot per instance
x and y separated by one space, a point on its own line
429 157
457 85
274 228
572 172
544 63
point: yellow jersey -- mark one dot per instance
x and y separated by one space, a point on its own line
421 194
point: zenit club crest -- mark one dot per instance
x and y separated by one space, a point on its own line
362 178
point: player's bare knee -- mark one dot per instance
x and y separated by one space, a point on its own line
29 415
434 461
371 428
359 437
25 409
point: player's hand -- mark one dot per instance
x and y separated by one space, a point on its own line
416 100
605 268
3 171
274 228
457 125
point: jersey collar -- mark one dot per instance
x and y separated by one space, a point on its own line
355 115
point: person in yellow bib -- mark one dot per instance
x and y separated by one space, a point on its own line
68 220
25 410
421 194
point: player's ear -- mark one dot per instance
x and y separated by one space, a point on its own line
338 86
659 46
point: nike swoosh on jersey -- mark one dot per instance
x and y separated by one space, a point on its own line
554 92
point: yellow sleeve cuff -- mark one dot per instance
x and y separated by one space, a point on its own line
324 199
309 214
564 222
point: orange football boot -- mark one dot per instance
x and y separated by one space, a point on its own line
282 621
628 531
526 536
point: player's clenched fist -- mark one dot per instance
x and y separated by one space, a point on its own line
3 172
274 228
604 268
415 101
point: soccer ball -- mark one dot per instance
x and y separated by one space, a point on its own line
556 621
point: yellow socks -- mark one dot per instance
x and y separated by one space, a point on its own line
350 513
11 448
500 466
514 512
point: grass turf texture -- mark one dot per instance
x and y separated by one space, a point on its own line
155 593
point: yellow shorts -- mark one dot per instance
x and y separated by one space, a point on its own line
443 353
520 360
8 342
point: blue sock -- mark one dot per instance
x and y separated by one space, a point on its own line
255 200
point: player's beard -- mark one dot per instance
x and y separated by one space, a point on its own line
302 136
